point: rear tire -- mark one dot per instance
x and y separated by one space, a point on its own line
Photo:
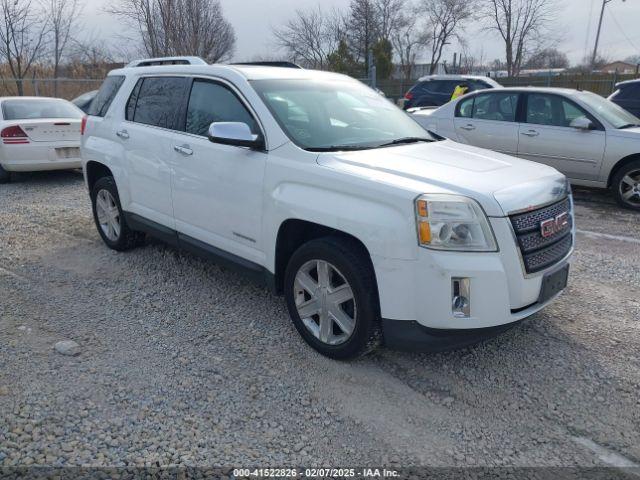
626 185
331 282
5 177
109 218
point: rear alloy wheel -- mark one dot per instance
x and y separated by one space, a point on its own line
108 215
627 186
332 297
109 218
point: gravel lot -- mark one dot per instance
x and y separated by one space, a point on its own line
184 363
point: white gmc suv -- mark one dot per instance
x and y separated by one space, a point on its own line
374 231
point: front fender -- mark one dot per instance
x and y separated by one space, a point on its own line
385 229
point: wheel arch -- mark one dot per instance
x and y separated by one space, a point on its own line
95 171
621 164
293 233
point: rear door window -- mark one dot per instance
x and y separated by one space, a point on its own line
105 95
465 108
496 106
159 102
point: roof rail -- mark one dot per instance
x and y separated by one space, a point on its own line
150 62
281 64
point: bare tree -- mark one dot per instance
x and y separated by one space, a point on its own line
522 24
446 17
547 58
90 58
180 27
22 34
63 15
409 38
311 36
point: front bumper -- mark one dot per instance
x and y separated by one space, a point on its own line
416 295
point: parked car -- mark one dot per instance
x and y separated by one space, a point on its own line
83 102
38 134
316 185
436 90
588 138
627 95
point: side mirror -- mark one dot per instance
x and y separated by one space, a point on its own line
582 123
234 133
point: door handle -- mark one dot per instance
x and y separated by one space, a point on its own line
183 149
123 134
530 133
468 127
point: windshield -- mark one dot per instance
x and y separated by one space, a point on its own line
35 108
336 114
612 113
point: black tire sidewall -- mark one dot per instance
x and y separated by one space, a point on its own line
108 184
358 277
617 180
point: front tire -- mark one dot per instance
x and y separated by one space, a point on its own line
109 218
332 298
626 185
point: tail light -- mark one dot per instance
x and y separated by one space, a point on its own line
14 135
83 125
408 96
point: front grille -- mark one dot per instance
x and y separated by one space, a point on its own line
538 252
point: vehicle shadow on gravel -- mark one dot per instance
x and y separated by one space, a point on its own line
57 178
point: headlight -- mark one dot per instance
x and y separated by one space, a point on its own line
452 222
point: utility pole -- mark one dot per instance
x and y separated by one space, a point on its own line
595 48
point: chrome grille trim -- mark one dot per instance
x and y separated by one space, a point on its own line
537 252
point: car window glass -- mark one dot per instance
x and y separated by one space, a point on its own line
552 110
105 95
159 101
465 108
39 108
133 99
571 112
211 102
629 92
496 106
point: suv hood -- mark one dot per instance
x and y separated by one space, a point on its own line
500 183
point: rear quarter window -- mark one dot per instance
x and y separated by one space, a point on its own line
105 96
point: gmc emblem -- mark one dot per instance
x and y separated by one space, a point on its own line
554 225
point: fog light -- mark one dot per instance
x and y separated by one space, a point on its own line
461 297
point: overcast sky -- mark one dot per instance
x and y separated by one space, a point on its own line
254 19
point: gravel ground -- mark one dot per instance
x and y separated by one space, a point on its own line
184 363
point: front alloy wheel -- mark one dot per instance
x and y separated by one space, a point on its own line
325 303
332 297
630 188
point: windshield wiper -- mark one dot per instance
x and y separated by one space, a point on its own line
400 141
338 148
629 125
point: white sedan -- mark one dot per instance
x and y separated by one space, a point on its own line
38 134
591 140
